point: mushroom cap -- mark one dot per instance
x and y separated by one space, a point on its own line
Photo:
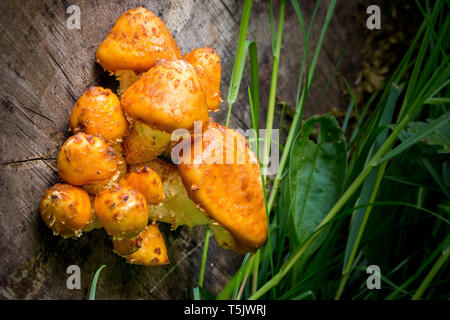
98 186
137 41
153 250
177 208
143 143
85 159
98 112
147 182
167 97
66 209
230 191
122 211
206 62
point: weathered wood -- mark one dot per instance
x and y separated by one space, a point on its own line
45 67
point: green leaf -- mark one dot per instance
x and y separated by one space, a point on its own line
439 137
94 283
424 132
317 171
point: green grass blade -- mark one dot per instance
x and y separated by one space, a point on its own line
94 283
239 61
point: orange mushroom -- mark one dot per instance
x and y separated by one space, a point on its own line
152 250
98 112
167 97
66 210
147 182
206 62
86 159
225 180
122 211
136 42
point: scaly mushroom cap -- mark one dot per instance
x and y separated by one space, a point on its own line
137 41
143 143
167 97
122 211
147 182
206 62
98 112
177 208
85 159
229 189
66 210
153 251
98 186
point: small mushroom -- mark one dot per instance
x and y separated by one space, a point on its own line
153 250
122 211
206 62
147 182
143 143
136 42
98 112
86 159
176 208
66 210
98 186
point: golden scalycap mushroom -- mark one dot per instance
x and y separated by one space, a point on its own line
66 210
98 112
98 186
122 211
228 188
85 159
137 41
167 97
177 208
147 182
153 251
143 143
206 62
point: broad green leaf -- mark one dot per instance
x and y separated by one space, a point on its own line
439 137
424 132
317 171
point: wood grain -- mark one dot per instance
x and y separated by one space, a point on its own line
45 67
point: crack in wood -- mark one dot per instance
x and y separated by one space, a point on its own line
25 160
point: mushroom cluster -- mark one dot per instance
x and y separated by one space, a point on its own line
118 168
